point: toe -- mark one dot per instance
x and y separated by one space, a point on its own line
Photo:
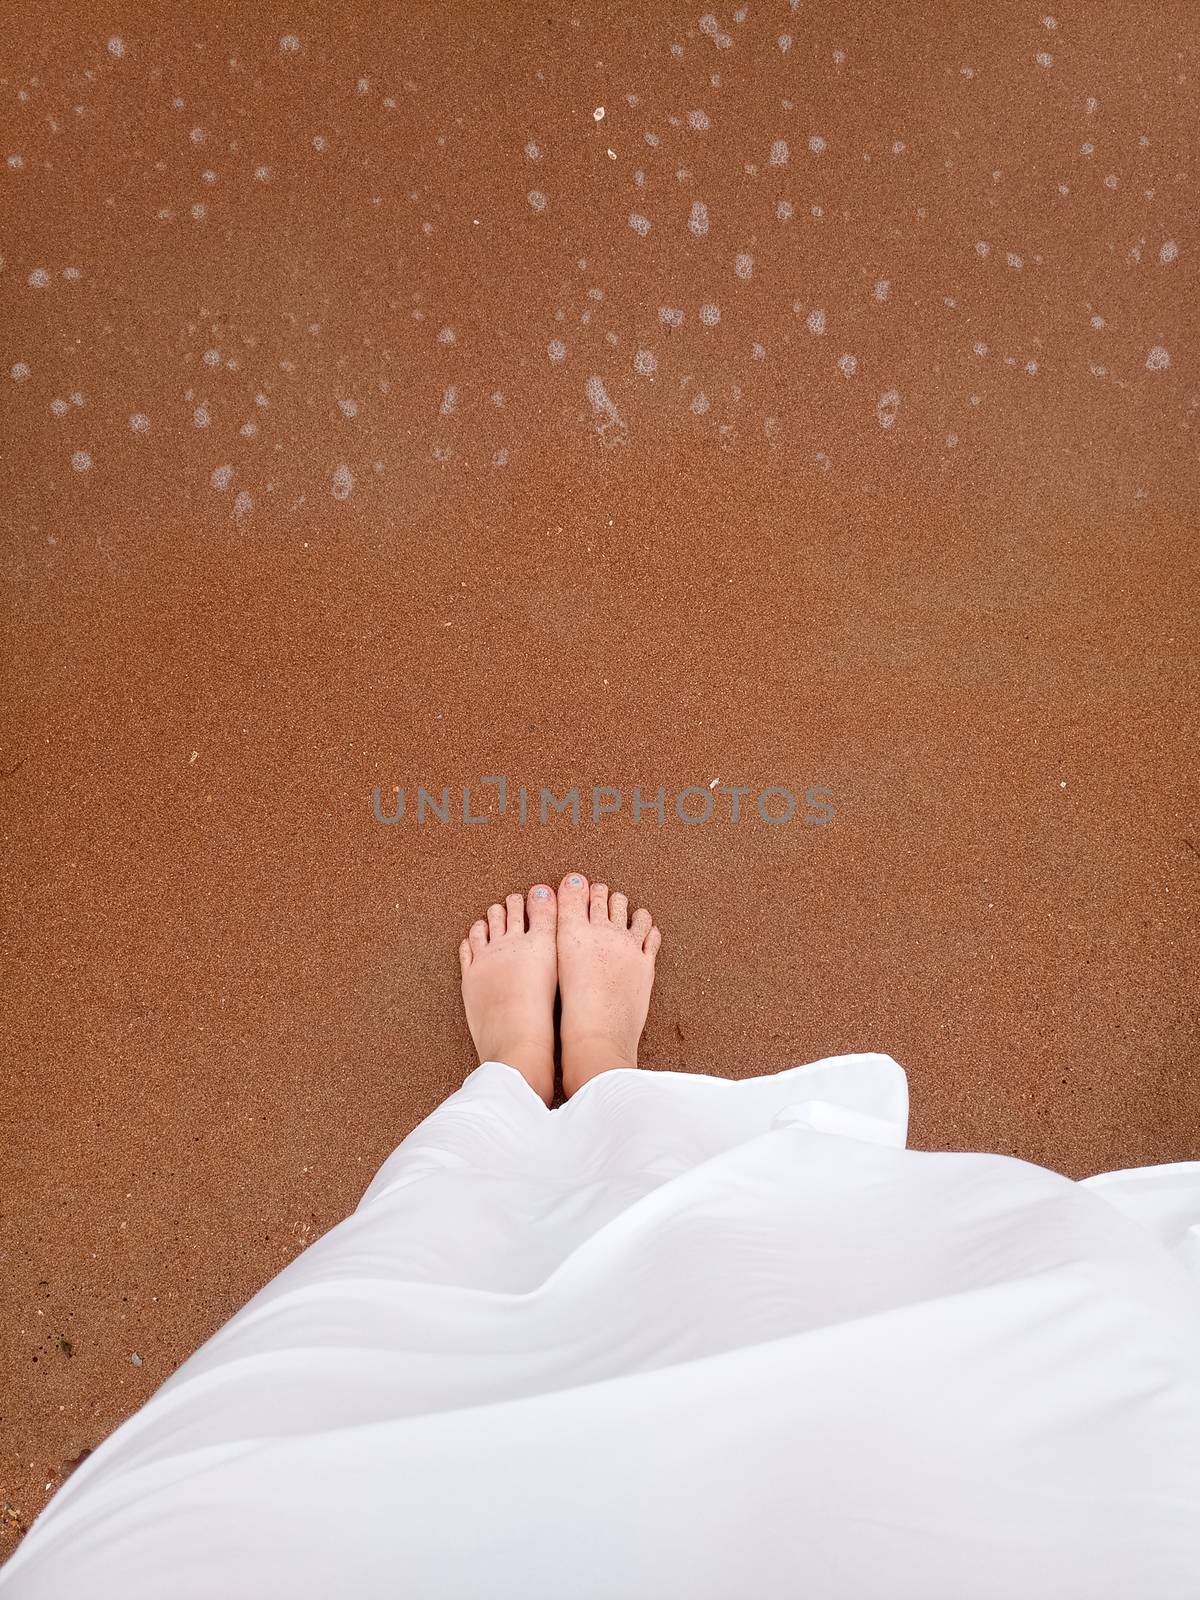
653 940
543 911
464 956
618 909
495 921
642 922
573 898
477 936
514 905
598 909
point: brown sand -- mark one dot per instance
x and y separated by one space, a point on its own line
230 990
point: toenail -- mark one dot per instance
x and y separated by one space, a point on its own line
575 881
541 894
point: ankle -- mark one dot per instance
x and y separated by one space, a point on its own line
588 1054
533 1059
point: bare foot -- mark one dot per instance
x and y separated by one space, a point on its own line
509 975
605 974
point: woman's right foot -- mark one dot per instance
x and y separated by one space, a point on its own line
605 975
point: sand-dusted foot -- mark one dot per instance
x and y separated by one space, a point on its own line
605 974
509 977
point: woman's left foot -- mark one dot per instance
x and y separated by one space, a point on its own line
509 979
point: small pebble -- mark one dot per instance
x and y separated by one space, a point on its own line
136 1359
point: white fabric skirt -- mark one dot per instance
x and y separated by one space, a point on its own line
684 1336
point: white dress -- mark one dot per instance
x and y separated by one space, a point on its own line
683 1337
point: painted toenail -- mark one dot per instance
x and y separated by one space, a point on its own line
576 881
541 894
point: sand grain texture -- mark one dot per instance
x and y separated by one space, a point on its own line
350 464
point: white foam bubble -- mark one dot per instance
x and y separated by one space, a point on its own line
1044 58
116 47
16 162
343 482
140 422
200 416
698 220
19 371
887 407
557 351
449 403
59 407
883 289
982 249
222 477
243 504
780 154
533 151
744 266
815 321
348 408
817 144
848 365
81 461
39 278
609 422
262 174
645 363
289 44
700 403
212 358
537 200
640 225
710 315
698 121
784 42
672 317
784 210
1168 252
1159 359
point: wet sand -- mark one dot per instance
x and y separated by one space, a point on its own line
332 460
